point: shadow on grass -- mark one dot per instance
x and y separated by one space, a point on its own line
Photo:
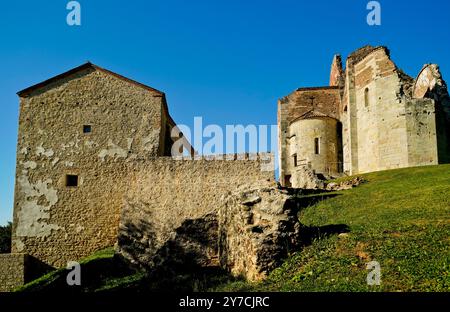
297 202
310 233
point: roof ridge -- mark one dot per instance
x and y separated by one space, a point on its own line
26 92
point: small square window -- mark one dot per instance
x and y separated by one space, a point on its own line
87 129
71 180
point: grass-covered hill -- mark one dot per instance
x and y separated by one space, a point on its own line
399 218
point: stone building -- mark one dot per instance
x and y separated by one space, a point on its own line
89 141
371 117
79 133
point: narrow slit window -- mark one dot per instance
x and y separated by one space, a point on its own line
317 146
366 97
295 160
71 180
87 129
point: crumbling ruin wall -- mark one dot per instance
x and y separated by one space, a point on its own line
57 223
388 128
429 84
388 118
169 217
257 228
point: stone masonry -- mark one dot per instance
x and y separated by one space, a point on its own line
12 271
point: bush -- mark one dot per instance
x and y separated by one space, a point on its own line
5 238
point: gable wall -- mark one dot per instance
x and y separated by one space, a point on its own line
56 223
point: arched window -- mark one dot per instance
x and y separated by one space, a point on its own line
366 97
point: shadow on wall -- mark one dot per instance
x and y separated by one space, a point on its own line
187 262
34 268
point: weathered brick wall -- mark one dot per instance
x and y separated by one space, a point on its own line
167 198
54 222
323 99
336 73
12 271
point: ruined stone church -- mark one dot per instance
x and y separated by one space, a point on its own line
371 117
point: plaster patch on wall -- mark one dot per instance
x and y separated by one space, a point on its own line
113 151
31 216
41 151
19 245
24 151
69 145
29 165
68 163
129 143
150 142
90 144
55 161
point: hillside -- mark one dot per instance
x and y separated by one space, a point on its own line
400 218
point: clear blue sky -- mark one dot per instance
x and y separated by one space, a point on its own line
227 61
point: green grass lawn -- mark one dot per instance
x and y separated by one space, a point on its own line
399 218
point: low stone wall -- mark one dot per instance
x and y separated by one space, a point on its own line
169 216
12 271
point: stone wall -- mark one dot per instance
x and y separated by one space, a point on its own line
55 222
12 271
421 130
282 114
385 129
169 217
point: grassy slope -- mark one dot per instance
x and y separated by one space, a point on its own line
400 218
98 272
